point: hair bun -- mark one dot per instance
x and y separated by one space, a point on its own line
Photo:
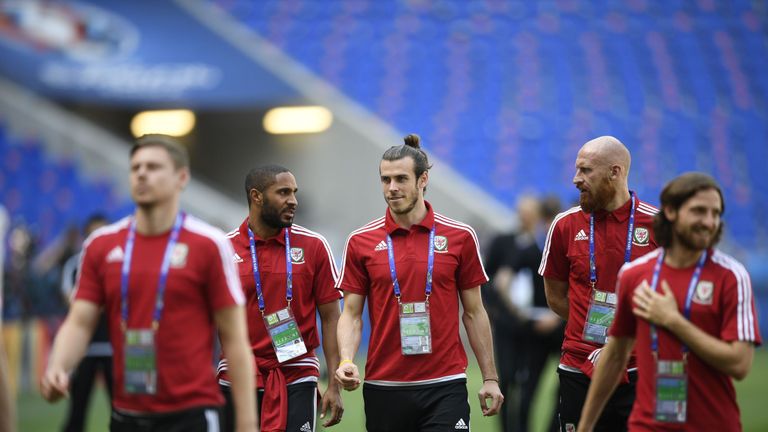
412 140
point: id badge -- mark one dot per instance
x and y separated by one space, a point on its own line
602 309
671 391
285 335
415 332
140 362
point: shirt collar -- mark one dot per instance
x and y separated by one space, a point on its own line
620 214
279 237
391 226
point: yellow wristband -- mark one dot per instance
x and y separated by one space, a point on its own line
345 361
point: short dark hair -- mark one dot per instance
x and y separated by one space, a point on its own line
175 149
262 177
94 218
674 195
411 148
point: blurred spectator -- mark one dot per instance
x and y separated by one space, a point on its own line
7 411
526 331
45 297
18 275
99 354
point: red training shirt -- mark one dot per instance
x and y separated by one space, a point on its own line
457 266
200 281
723 306
314 280
566 258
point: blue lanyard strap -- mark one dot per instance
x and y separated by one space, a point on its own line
688 297
164 268
288 269
628 247
430 264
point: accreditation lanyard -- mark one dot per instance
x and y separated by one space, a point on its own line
628 248
164 267
288 269
430 265
688 297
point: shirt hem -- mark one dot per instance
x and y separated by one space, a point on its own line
440 380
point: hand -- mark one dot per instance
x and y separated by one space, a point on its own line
348 376
490 390
332 400
658 309
547 324
54 385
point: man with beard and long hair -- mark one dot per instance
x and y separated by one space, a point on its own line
585 248
288 275
688 311
414 264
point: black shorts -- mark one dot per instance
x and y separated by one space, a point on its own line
302 407
573 394
439 407
192 420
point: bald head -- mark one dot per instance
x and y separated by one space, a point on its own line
602 169
608 151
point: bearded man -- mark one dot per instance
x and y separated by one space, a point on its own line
585 248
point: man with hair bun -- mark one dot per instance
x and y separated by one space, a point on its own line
413 265
688 311
585 247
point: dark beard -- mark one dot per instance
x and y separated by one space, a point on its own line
684 240
271 216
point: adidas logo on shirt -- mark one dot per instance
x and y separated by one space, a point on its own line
115 255
461 425
381 246
236 259
306 427
581 236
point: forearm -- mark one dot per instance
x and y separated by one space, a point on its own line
69 346
606 378
556 292
350 329
329 324
480 339
241 376
559 306
726 357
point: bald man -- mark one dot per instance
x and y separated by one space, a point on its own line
585 248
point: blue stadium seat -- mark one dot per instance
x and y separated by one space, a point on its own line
678 81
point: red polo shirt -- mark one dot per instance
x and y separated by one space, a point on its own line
566 258
314 280
457 266
723 306
200 281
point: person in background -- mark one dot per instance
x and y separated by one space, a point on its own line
98 358
526 332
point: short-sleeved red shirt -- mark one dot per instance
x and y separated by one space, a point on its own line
314 279
566 258
200 281
457 266
723 306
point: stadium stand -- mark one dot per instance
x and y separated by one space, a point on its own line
50 194
506 91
